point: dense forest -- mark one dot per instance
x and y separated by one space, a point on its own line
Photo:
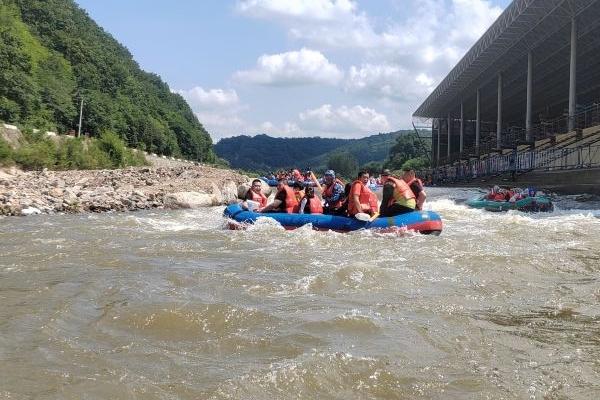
52 55
264 153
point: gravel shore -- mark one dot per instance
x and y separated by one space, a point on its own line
178 186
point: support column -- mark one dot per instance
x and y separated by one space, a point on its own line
462 126
499 122
478 122
573 75
529 96
439 136
449 130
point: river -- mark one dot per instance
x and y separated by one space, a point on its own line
169 305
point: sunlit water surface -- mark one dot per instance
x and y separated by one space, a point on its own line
169 305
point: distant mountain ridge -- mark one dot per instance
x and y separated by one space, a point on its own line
264 153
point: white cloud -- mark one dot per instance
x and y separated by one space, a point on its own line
292 69
288 129
388 81
199 98
391 64
325 10
427 38
335 23
327 121
344 120
217 109
221 125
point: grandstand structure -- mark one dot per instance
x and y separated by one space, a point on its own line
525 97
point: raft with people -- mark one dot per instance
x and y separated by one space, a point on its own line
505 199
425 222
343 207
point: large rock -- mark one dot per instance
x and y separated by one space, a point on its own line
229 193
242 190
190 200
30 211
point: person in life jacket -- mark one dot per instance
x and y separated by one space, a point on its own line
255 194
361 199
332 192
298 191
398 198
496 194
285 199
297 176
416 185
310 204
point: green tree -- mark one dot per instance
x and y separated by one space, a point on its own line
373 167
52 53
407 147
344 164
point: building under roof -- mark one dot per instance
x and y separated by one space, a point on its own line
538 65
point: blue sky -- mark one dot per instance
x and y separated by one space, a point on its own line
330 68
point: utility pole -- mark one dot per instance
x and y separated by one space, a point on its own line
80 117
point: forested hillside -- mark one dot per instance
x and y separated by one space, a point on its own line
52 54
264 153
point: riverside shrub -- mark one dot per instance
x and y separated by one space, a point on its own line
37 155
5 153
120 155
38 152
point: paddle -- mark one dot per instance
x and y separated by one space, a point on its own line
366 217
362 217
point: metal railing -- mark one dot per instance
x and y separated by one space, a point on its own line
587 156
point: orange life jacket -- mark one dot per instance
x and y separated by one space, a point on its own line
413 180
403 195
291 204
365 197
328 192
314 205
258 197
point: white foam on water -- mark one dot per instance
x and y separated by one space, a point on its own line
203 219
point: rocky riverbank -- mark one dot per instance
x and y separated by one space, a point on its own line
48 192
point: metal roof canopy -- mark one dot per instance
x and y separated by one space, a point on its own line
539 26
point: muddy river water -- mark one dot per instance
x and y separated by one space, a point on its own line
169 305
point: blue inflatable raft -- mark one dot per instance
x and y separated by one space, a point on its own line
425 222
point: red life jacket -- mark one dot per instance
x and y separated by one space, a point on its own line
499 197
291 204
258 197
314 205
328 192
364 197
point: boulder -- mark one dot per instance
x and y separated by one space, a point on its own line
56 192
190 200
229 193
30 211
242 189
